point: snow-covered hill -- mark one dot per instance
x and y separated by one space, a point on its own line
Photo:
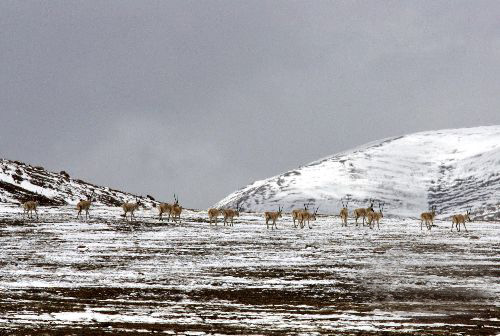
20 182
452 169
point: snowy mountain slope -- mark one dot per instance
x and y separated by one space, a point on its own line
20 182
451 169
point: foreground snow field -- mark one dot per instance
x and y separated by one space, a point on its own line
59 275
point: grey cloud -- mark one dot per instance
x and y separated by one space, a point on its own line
201 98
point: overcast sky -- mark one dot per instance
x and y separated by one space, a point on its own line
203 97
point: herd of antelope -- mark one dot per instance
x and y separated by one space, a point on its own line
300 217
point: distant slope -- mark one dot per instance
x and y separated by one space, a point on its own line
20 182
451 169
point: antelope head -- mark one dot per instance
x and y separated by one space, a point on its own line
381 208
466 216
238 209
344 205
371 204
138 203
315 213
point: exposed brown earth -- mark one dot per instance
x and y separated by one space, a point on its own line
59 276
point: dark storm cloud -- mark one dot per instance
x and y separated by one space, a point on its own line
200 98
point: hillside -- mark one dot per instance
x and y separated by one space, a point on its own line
20 182
452 169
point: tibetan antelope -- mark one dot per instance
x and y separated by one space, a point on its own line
362 212
213 215
460 219
344 212
296 214
29 207
307 216
229 214
84 205
130 207
375 216
428 218
273 216
176 210
164 208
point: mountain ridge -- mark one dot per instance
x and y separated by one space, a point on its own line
453 169
20 182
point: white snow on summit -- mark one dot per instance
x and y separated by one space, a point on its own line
452 169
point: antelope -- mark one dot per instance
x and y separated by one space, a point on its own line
428 218
176 210
213 214
130 207
273 216
296 214
460 219
29 207
164 208
84 205
230 214
344 213
307 216
375 216
362 212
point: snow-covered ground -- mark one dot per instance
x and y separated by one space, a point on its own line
61 275
454 170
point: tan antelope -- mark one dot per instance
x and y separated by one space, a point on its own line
460 219
362 212
164 208
29 207
176 210
428 218
375 216
273 216
296 213
130 207
307 216
229 214
344 213
213 215
84 205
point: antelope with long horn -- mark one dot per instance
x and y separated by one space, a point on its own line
84 205
213 215
273 216
229 215
176 210
460 219
362 212
375 216
307 216
344 212
130 207
29 207
164 208
296 214
428 218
